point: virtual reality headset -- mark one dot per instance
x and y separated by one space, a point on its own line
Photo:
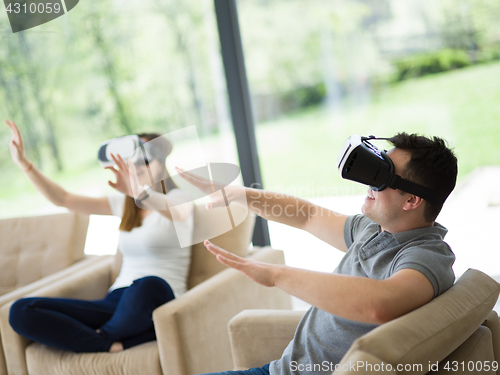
362 162
128 147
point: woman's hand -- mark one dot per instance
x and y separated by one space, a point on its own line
122 174
16 146
208 187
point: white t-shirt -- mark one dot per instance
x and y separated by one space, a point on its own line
153 249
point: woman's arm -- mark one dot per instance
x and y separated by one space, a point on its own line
178 207
51 190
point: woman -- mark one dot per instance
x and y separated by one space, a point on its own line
154 268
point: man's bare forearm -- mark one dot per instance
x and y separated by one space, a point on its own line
321 222
356 298
348 297
282 208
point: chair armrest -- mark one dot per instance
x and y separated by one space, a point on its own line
192 330
90 282
260 336
435 330
493 324
88 261
476 349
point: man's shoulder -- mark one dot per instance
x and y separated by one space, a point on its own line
430 255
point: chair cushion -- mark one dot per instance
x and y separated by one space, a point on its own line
236 240
37 246
433 331
141 359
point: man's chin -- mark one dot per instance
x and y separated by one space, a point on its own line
366 213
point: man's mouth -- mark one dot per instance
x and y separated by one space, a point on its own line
370 194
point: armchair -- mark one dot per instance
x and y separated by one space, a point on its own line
37 251
458 325
191 330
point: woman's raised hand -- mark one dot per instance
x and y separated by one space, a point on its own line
122 174
16 146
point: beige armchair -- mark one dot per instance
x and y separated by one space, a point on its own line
191 330
37 251
458 325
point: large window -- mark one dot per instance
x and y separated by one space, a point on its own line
103 70
322 70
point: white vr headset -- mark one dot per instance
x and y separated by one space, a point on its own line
128 147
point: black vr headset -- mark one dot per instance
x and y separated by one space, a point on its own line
362 162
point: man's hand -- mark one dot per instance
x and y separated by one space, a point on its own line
355 298
209 188
262 273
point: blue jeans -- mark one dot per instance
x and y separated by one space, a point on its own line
124 315
253 371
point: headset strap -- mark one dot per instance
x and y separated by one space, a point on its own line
397 182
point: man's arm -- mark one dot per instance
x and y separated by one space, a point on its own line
321 222
325 224
355 298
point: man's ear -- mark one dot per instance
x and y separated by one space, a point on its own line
412 203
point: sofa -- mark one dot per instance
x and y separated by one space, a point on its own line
457 332
191 330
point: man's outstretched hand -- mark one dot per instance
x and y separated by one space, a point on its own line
262 273
210 187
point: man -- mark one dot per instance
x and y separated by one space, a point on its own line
395 261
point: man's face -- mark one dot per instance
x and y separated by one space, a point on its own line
386 207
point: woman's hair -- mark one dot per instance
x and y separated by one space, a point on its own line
160 149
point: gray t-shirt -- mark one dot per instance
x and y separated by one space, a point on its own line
321 338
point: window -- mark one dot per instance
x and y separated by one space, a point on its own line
101 71
322 70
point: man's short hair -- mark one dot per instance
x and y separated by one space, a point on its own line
432 165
